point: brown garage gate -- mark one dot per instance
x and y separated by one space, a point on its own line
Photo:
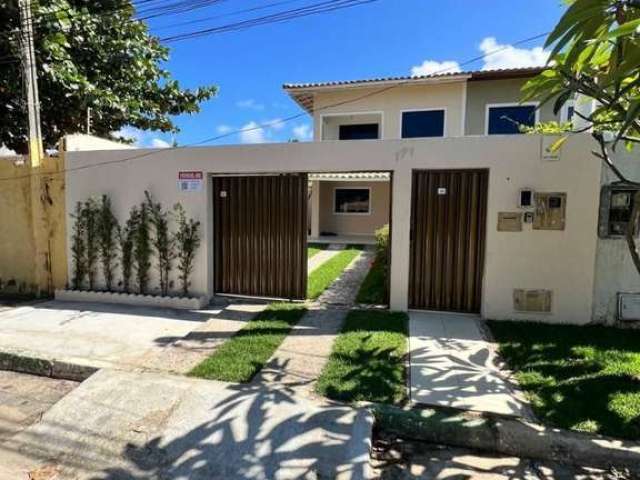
448 223
260 235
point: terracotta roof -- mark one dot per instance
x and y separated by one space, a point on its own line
471 74
302 93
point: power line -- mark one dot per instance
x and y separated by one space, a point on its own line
313 9
285 120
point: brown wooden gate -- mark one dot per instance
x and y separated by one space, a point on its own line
448 222
260 235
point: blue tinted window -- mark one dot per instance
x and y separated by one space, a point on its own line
423 124
365 131
506 120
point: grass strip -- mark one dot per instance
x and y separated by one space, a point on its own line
323 276
314 249
373 289
584 378
244 355
367 361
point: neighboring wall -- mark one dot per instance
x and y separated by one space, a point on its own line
32 224
615 271
562 261
342 224
480 93
449 96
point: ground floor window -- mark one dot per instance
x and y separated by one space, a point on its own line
507 119
355 201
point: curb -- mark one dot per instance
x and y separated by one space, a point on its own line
508 436
45 368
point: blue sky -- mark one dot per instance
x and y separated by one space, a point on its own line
387 37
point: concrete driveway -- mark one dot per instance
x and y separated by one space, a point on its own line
134 426
116 336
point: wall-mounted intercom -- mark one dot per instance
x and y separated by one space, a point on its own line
525 199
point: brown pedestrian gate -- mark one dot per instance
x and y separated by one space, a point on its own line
448 223
260 235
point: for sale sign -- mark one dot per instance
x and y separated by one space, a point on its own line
190 181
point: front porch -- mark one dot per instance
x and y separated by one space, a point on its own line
347 208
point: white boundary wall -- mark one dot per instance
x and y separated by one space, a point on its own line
559 260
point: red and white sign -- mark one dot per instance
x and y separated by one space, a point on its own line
190 181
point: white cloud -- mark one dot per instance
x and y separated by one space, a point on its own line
302 132
159 143
507 56
429 67
252 133
140 138
250 103
224 129
275 124
497 56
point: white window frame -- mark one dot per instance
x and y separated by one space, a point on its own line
489 106
346 114
357 214
430 109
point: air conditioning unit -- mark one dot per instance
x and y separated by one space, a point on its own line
628 307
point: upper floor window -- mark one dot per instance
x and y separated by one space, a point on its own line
568 111
506 119
353 201
363 131
424 123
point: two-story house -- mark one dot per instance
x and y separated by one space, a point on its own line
350 207
483 219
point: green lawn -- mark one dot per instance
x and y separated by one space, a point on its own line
323 276
314 249
581 378
367 361
373 289
242 356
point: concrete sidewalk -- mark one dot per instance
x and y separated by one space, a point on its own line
119 336
124 425
453 365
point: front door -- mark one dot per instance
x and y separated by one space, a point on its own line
260 235
448 222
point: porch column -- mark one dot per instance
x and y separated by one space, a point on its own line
315 208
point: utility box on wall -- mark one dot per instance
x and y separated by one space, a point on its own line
629 307
550 211
534 301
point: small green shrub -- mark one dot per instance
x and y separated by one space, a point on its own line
78 251
126 237
91 218
187 240
163 242
382 244
142 248
107 238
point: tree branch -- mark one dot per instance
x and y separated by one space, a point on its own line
604 156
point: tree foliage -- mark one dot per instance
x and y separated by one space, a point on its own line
595 57
89 54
